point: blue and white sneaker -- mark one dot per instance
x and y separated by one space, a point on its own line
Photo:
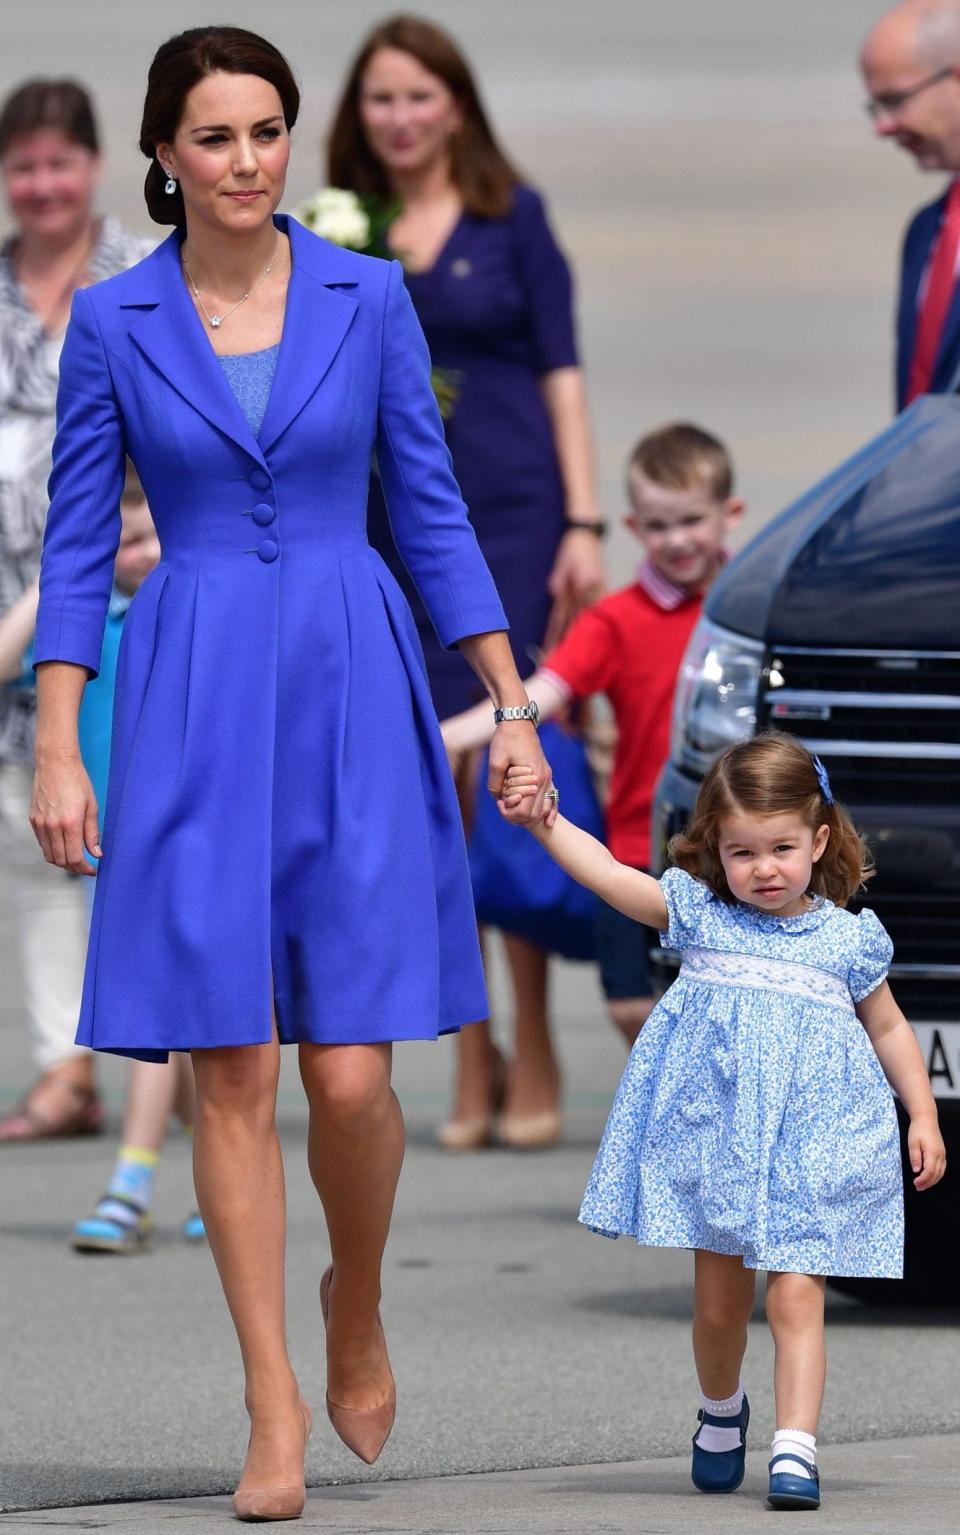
721 1470
788 1490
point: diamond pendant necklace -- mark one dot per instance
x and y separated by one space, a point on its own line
216 320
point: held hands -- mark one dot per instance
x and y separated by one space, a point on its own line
521 793
515 744
63 813
928 1155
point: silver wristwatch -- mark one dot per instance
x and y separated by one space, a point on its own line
529 711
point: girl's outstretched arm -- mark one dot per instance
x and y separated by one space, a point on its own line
899 1055
634 893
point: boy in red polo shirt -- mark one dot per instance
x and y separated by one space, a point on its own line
629 646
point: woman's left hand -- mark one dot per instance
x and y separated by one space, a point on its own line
515 742
577 578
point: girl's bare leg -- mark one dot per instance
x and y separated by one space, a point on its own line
723 1303
151 1090
795 1314
355 1152
184 1101
239 1179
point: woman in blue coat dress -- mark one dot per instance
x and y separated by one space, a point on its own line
282 857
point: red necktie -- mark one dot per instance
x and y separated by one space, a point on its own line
938 297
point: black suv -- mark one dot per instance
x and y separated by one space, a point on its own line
840 623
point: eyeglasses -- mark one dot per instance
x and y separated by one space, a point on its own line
894 101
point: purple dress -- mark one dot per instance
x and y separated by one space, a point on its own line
497 311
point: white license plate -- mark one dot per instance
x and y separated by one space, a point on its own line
940 1043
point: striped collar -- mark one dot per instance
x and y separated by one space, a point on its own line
664 592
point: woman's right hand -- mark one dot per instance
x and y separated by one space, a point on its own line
63 812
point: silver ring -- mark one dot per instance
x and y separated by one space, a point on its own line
553 794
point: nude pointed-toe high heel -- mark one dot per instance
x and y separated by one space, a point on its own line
364 1430
260 1504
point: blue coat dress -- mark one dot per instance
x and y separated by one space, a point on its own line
281 823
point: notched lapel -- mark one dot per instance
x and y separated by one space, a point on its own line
317 320
169 334
167 330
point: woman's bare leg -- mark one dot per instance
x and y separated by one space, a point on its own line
795 1314
355 1152
239 1178
533 1086
723 1302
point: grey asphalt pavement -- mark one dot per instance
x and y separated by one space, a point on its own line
891 1487
519 1340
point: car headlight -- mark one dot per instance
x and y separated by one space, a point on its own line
716 699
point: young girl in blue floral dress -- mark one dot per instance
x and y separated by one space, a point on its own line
754 1122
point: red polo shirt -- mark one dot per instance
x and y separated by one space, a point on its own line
629 646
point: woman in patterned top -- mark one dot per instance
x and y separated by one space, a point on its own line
50 168
755 1122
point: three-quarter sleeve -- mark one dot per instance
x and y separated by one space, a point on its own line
428 518
547 283
83 522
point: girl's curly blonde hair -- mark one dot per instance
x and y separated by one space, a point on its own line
771 774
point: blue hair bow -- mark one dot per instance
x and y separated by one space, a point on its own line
823 778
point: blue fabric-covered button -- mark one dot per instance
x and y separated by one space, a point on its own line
259 479
268 549
263 514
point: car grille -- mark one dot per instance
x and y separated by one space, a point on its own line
886 725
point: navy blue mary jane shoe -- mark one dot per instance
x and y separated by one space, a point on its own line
790 1491
721 1470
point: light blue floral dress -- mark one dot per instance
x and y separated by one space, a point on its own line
753 1117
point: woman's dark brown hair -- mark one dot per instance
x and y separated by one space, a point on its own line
180 64
481 171
60 104
771 774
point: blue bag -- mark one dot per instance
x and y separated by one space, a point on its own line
517 887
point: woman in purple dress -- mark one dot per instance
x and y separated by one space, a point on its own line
494 296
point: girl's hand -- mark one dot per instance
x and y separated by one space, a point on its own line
519 788
928 1155
516 741
63 813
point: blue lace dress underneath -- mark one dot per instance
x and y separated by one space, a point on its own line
250 376
753 1117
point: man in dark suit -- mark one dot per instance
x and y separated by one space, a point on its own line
911 66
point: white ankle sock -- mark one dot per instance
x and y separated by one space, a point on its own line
709 1437
800 1446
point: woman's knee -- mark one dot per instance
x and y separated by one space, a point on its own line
240 1080
348 1085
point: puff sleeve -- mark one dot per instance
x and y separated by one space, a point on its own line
686 900
872 959
83 521
428 518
